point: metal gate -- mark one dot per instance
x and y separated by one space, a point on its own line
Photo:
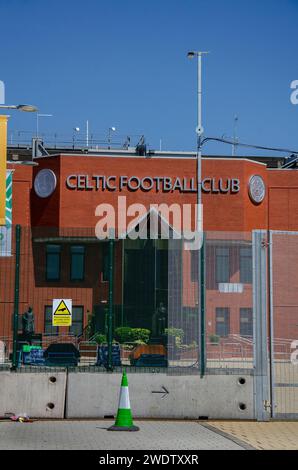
283 276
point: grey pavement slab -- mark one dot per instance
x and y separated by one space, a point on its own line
93 435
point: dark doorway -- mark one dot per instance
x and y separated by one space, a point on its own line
145 281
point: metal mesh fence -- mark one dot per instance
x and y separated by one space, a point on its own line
158 317
210 303
229 301
284 323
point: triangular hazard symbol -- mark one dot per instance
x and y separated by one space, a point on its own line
62 309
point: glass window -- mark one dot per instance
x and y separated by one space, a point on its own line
223 321
246 323
77 321
53 262
77 265
48 328
246 265
222 265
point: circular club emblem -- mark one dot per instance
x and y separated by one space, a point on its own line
256 189
45 183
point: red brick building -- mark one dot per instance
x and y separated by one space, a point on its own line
61 257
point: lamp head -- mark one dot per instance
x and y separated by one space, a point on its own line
29 108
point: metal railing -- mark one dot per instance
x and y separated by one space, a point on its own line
54 140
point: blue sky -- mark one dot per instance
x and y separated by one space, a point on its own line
123 63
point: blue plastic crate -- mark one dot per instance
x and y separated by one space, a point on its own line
102 355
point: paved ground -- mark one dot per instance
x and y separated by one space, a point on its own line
93 435
270 436
156 435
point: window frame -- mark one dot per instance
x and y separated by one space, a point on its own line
77 279
227 326
243 310
73 322
227 264
54 328
58 253
244 279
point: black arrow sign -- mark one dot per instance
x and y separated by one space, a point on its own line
164 391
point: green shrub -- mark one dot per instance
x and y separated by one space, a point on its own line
123 334
177 333
100 338
140 335
214 339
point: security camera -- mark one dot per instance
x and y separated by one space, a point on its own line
200 130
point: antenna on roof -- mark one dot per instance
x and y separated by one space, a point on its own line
141 147
126 143
235 138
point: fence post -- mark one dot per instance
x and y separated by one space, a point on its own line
202 315
16 296
111 295
260 324
271 326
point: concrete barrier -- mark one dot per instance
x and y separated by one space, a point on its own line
40 395
95 395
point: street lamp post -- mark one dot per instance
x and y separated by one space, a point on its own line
199 214
111 129
75 131
199 132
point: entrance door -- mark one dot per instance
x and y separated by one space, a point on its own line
145 281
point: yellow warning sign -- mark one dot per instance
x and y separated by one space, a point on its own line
62 312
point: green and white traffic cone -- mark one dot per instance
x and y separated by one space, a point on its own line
124 417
